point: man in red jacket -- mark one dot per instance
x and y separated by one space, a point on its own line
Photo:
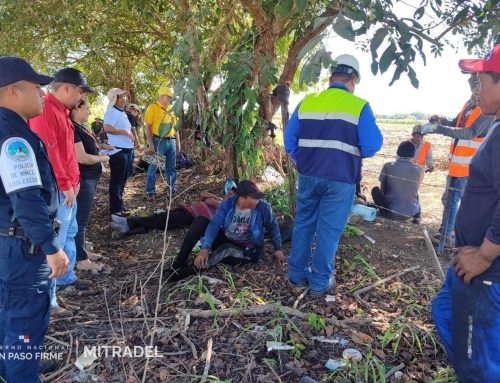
56 131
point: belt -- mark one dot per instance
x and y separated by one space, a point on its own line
165 138
18 232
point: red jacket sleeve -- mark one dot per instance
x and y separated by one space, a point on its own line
48 128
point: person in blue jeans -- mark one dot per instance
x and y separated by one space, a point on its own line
466 311
327 136
162 138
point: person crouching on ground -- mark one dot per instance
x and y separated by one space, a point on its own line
397 196
236 233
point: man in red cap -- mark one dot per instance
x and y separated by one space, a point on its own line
467 309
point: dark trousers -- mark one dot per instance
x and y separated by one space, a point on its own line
24 310
381 201
131 165
85 201
119 164
177 219
183 268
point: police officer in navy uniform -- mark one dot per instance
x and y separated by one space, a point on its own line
29 253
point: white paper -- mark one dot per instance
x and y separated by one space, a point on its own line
108 152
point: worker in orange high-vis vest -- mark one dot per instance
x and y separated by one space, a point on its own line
423 150
473 127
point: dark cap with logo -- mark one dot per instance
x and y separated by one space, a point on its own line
72 76
247 188
14 69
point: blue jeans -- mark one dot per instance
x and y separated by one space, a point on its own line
85 201
467 318
168 149
66 239
24 310
451 200
323 208
119 165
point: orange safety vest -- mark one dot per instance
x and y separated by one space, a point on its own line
462 151
422 155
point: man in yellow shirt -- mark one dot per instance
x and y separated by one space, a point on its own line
162 138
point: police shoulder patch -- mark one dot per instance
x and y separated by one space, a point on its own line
18 166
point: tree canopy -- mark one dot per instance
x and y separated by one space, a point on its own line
224 57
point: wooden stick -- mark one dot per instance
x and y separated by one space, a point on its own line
357 293
300 297
432 252
272 370
207 361
270 308
191 344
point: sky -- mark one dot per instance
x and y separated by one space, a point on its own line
443 88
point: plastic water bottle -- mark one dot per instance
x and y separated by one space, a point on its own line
367 213
229 185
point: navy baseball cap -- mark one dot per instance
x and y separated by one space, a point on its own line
73 76
14 69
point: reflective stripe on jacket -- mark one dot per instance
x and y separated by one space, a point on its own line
328 135
462 151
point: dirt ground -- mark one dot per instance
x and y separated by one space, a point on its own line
389 324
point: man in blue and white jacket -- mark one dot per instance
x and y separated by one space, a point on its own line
327 136
236 233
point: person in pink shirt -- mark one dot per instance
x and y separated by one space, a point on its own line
57 133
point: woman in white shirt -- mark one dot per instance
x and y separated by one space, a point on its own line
118 129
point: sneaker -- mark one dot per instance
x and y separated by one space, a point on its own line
120 228
332 283
119 219
59 312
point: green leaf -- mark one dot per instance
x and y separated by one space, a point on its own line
310 45
356 15
419 13
404 31
374 67
461 15
413 77
283 9
377 39
387 58
301 5
343 28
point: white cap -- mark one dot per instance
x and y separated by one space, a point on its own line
350 61
113 94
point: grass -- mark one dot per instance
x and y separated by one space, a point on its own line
363 269
403 329
370 369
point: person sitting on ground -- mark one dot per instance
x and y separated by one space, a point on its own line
235 235
178 218
423 150
397 196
